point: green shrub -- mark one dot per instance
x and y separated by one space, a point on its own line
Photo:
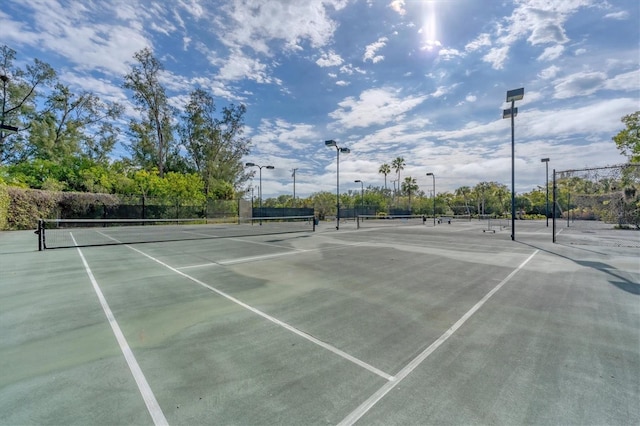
4 207
28 205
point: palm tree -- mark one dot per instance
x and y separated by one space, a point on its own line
385 170
462 192
409 185
398 164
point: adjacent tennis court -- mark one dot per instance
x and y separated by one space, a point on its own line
404 323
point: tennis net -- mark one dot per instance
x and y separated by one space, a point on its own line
60 233
372 221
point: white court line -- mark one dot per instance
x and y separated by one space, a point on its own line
356 414
266 256
145 390
240 260
272 319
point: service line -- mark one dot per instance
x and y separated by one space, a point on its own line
356 414
274 320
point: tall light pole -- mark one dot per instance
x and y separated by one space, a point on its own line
333 143
546 208
294 185
361 195
394 191
434 197
513 96
260 167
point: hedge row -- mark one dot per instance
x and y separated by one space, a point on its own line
21 208
5 201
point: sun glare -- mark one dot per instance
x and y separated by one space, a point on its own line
429 28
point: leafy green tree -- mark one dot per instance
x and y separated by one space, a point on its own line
147 183
19 102
409 186
462 194
182 186
324 203
74 124
215 146
628 140
152 134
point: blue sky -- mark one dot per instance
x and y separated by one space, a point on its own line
424 80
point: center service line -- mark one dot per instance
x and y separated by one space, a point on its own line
386 388
272 319
145 390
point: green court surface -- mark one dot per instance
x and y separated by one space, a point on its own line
384 325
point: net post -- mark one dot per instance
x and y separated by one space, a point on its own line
40 232
357 221
553 210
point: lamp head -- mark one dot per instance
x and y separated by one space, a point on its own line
249 164
270 167
515 95
544 160
330 143
429 174
506 113
358 180
345 150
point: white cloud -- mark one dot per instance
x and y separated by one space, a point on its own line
279 132
448 54
372 49
471 98
629 81
551 53
329 59
601 117
620 16
541 22
350 69
374 107
481 41
342 83
398 6
549 73
256 23
579 84
239 66
497 57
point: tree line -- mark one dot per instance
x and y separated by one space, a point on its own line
65 139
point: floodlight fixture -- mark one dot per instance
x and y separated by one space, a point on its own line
513 96
434 196
506 113
332 143
546 209
249 164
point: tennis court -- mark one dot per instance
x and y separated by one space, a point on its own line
383 325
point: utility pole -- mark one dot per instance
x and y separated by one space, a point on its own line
294 186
